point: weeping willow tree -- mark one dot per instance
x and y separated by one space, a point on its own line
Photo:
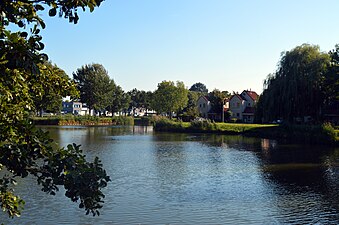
297 88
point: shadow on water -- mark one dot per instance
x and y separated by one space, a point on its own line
307 177
303 178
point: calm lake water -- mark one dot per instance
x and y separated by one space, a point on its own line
166 178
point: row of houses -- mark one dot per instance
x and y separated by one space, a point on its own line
80 109
240 106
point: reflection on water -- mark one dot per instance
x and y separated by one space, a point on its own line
166 178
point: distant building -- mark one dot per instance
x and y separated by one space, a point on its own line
75 108
204 106
242 106
205 110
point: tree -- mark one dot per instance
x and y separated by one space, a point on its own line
94 85
140 99
191 110
125 101
137 99
148 100
49 97
169 98
24 149
199 87
297 88
217 99
331 81
119 101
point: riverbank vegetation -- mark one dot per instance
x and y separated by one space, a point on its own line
310 134
83 120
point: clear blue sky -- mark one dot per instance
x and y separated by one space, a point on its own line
228 45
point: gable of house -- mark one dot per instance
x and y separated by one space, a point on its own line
204 106
242 105
251 97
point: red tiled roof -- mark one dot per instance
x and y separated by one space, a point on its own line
252 94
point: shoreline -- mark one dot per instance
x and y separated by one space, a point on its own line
304 134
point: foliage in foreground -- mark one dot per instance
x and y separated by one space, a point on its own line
25 150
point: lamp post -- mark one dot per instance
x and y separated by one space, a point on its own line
222 111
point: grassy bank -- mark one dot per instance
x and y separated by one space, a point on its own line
310 134
83 120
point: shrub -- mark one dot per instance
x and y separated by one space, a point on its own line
203 124
123 120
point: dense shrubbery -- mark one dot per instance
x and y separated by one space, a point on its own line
324 133
165 124
83 120
122 120
309 134
203 124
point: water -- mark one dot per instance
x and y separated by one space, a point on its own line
164 178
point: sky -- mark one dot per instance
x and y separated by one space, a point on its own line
230 45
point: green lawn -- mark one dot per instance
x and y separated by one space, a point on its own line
311 134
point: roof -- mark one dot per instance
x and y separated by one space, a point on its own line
204 97
237 95
252 94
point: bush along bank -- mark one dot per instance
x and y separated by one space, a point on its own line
306 134
83 120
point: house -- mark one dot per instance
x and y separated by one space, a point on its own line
75 108
204 106
205 109
242 106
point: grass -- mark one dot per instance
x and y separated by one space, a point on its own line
308 134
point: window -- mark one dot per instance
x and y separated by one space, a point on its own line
249 104
204 105
200 106
238 104
237 114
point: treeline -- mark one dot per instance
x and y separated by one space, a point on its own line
92 85
304 89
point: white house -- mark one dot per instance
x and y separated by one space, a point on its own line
242 106
204 106
76 108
